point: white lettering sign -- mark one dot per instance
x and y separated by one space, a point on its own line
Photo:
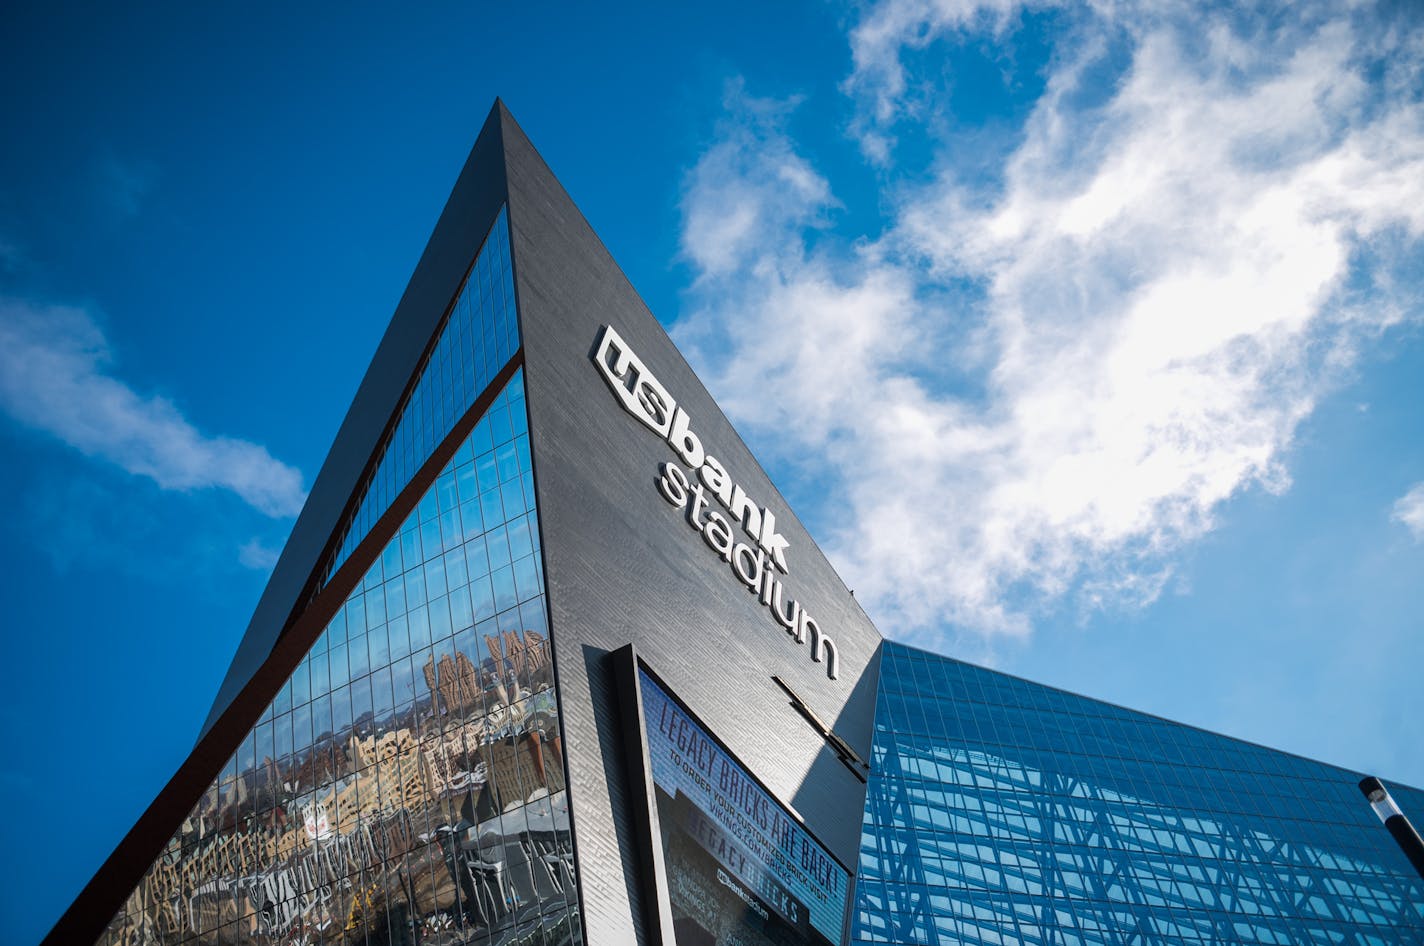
642 396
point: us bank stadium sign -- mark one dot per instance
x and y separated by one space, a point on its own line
758 558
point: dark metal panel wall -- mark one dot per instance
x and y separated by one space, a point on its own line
623 566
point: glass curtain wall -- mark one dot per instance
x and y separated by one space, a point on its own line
477 336
1000 811
407 785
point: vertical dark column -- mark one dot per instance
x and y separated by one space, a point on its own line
1398 826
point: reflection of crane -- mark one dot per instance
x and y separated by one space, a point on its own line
362 901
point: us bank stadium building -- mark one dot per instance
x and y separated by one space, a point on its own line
548 659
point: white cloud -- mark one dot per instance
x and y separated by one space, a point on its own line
878 44
55 377
256 555
750 189
1041 386
1409 511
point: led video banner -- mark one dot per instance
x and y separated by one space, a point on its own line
738 867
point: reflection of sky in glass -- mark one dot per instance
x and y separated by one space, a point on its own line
407 782
480 333
1001 811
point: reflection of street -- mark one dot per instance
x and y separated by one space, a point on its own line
515 874
446 823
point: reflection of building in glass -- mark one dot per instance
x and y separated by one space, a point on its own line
426 738
409 776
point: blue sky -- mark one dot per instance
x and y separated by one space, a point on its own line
1107 365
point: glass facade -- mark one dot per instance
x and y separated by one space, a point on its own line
478 335
1000 811
407 784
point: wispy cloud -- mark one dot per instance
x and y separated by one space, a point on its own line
879 42
749 190
1038 386
257 555
99 520
56 377
1409 511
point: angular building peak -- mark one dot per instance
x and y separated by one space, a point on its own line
324 528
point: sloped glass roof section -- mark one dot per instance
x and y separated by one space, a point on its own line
479 334
1002 811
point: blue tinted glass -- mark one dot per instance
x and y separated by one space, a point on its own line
1000 811
475 341
407 785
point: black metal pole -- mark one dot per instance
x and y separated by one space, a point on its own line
1399 827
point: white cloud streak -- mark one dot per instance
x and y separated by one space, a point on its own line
1409 511
256 555
1040 387
55 377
